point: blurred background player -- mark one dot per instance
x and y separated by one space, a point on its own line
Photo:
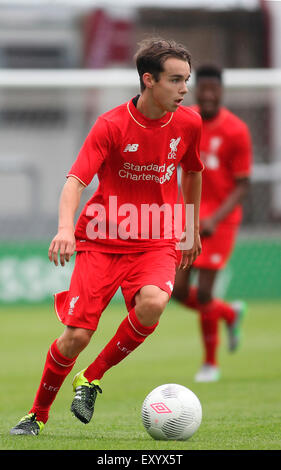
226 153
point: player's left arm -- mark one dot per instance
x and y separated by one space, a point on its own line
191 187
191 184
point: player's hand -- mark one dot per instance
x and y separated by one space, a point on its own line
189 256
62 246
207 226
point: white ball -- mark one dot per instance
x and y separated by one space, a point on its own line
171 412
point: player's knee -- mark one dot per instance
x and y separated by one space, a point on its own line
74 340
150 308
153 305
81 337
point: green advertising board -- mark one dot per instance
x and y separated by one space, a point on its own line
254 270
27 276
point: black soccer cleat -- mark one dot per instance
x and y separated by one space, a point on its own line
86 392
28 426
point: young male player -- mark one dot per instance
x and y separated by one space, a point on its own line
135 150
226 153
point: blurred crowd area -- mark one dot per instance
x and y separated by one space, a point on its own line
41 130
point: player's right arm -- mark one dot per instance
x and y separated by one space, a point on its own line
90 158
63 244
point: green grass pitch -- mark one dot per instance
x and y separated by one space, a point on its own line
241 411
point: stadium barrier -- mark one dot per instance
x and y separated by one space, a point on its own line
28 277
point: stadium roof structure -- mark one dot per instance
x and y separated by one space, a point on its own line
209 4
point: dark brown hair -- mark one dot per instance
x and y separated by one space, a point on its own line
152 54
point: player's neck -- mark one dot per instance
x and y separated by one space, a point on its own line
210 117
149 108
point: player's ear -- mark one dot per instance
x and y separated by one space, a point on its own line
148 80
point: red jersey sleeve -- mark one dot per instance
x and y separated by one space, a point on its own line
92 154
241 155
191 160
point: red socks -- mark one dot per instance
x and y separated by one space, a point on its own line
211 313
57 367
221 309
209 323
130 334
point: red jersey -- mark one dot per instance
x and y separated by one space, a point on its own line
136 161
226 152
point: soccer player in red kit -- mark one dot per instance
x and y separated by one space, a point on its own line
135 150
225 151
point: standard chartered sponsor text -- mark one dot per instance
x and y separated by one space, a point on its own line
151 172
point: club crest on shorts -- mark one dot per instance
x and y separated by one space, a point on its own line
72 304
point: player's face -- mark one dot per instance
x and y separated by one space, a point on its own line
208 96
168 92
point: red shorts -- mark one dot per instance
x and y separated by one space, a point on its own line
97 276
217 249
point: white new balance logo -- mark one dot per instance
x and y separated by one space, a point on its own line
131 148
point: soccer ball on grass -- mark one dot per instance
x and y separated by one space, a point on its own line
171 412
